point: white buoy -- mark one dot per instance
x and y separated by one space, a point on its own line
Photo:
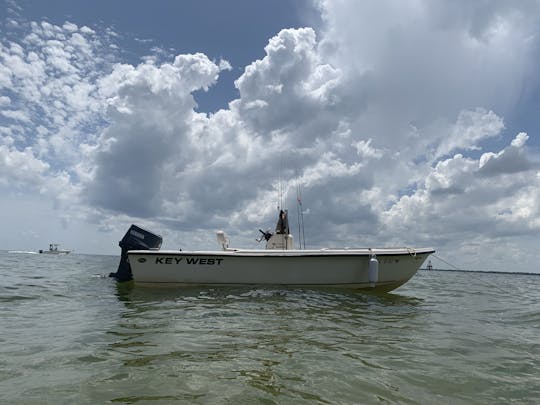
373 273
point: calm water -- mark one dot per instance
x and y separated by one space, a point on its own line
70 336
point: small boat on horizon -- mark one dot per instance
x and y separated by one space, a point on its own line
55 250
383 269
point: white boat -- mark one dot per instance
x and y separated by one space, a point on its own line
54 250
383 269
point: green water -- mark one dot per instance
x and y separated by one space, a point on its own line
70 336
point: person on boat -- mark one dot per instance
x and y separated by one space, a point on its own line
282 226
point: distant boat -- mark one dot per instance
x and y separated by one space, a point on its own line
54 250
383 269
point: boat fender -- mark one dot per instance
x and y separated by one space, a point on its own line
373 273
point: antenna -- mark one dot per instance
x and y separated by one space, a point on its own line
301 234
280 193
280 186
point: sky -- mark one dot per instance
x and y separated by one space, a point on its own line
411 123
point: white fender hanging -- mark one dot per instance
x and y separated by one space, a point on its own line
373 273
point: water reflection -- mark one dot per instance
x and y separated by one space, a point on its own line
259 337
128 292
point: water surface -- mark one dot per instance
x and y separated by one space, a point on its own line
70 335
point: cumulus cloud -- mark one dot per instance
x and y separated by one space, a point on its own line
513 159
20 167
471 128
151 110
463 199
288 88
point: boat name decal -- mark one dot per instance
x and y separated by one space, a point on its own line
189 260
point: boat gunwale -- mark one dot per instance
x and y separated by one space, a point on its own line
365 252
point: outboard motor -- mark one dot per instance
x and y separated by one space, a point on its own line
136 238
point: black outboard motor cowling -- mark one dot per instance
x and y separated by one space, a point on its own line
136 238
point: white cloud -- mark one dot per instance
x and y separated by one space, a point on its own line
288 87
471 128
15 115
494 199
519 140
512 159
20 167
224 65
364 149
151 114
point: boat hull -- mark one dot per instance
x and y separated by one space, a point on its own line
315 268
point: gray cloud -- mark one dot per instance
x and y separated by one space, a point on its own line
513 159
